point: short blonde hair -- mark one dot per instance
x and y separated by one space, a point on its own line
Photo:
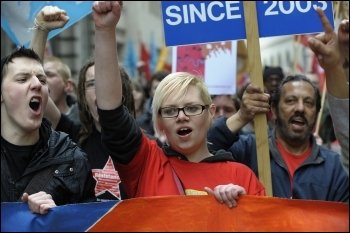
62 68
177 84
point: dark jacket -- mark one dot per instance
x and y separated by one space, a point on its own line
70 177
320 177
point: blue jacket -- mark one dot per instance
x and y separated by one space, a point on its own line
320 177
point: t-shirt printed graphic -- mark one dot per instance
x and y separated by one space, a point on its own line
190 192
107 182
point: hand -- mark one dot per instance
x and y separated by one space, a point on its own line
325 45
106 14
318 139
254 101
51 17
39 203
343 37
227 194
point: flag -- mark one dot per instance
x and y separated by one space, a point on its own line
153 55
302 39
130 61
182 213
204 213
17 17
16 217
303 60
145 58
162 60
318 70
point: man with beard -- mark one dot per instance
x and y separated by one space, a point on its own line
300 168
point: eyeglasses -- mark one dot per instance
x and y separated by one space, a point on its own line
190 110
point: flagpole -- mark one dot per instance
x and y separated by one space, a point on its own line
297 53
318 122
255 68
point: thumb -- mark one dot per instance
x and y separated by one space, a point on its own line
209 190
24 197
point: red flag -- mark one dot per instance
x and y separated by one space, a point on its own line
317 69
302 39
205 214
145 58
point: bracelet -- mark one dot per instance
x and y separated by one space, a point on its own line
37 26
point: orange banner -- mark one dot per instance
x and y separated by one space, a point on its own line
204 213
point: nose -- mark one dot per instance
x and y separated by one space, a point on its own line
182 115
300 106
35 82
219 112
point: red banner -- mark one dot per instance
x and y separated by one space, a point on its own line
204 213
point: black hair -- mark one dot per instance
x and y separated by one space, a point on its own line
271 70
275 98
84 113
19 52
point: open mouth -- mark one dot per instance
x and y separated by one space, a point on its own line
184 131
34 103
298 121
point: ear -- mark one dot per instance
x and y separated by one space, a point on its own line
69 86
212 109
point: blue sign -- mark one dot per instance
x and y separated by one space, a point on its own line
194 22
17 17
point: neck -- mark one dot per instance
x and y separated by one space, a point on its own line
19 138
293 147
62 106
198 155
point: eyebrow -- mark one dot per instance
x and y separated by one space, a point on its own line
186 104
29 73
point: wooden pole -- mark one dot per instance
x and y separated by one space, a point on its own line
296 53
319 116
255 70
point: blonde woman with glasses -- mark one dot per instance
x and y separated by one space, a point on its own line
182 111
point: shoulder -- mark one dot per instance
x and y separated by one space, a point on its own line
60 144
330 158
327 153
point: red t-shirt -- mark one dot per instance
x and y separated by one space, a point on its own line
150 173
293 161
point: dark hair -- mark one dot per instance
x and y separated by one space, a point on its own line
235 100
128 98
19 52
159 75
271 70
275 98
86 119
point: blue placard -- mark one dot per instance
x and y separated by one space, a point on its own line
17 17
194 22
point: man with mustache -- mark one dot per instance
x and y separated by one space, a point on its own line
300 169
